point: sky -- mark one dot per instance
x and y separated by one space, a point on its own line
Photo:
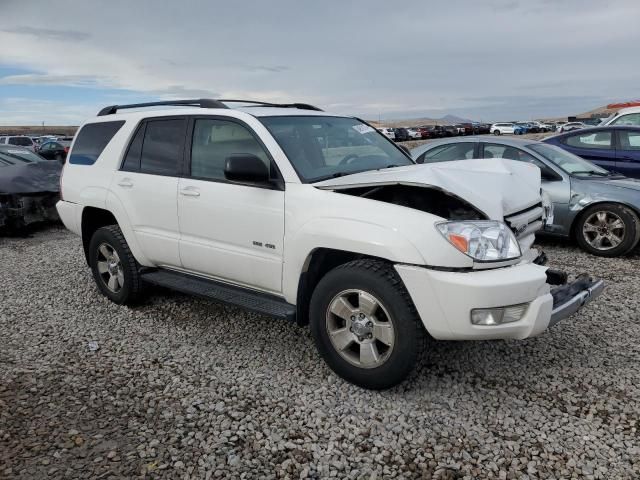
485 60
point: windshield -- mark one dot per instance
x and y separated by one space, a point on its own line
568 162
19 155
322 147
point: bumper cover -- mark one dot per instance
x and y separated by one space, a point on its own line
444 300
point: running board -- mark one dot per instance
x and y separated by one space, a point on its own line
248 299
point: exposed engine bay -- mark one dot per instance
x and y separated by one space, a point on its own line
425 199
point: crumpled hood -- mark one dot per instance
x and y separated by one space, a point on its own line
30 177
496 186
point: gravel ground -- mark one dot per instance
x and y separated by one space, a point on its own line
182 388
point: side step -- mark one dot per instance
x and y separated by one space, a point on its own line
248 299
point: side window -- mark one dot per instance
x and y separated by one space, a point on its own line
214 140
163 146
629 140
597 140
494 150
132 158
453 151
92 140
630 119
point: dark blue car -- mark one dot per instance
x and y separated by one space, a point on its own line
616 148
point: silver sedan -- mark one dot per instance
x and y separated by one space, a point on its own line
597 208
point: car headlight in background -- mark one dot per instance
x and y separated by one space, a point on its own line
482 240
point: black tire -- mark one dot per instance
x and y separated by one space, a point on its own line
496 132
630 235
380 280
130 290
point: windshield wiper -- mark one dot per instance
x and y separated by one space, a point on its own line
591 172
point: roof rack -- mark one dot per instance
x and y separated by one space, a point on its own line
254 103
206 103
201 102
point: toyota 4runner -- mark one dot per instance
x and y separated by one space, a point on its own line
317 218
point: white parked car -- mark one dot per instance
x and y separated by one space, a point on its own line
388 132
502 128
19 141
302 215
624 116
567 127
414 133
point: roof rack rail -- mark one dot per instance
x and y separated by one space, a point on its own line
200 102
300 106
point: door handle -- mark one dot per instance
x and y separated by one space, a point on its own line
126 183
190 192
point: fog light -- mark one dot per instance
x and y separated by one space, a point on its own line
498 315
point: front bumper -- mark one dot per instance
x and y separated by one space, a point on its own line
444 300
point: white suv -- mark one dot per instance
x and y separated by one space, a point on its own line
502 128
317 218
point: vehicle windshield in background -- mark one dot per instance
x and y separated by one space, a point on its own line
320 148
14 156
568 162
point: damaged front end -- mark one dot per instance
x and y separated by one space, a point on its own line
568 298
19 211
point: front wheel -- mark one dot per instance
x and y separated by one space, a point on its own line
608 230
114 268
496 132
365 325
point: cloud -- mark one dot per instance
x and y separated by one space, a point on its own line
375 59
48 33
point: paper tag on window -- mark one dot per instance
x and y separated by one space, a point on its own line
362 128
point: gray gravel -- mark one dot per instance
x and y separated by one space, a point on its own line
183 388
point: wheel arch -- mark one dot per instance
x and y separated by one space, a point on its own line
582 213
318 263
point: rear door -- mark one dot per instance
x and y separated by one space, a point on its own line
147 185
596 146
628 152
229 230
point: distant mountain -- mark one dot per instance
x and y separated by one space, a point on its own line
453 119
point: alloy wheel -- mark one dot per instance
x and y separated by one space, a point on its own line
360 328
110 267
604 230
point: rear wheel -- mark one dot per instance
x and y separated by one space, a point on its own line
608 230
114 268
496 132
365 325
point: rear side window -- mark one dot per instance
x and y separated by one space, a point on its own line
630 119
21 141
447 153
132 159
163 146
92 140
597 140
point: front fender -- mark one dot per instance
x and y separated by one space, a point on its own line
355 236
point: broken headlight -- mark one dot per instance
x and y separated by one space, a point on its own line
482 240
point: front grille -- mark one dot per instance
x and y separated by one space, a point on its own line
527 221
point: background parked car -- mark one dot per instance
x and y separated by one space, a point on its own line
29 187
19 141
625 116
569 126
388 132
502 128
615 148
599 209
401 134
55 150
414 134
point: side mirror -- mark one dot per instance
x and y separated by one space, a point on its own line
245 167
549 175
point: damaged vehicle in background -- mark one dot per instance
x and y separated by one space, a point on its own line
29 188
597 208
316 218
